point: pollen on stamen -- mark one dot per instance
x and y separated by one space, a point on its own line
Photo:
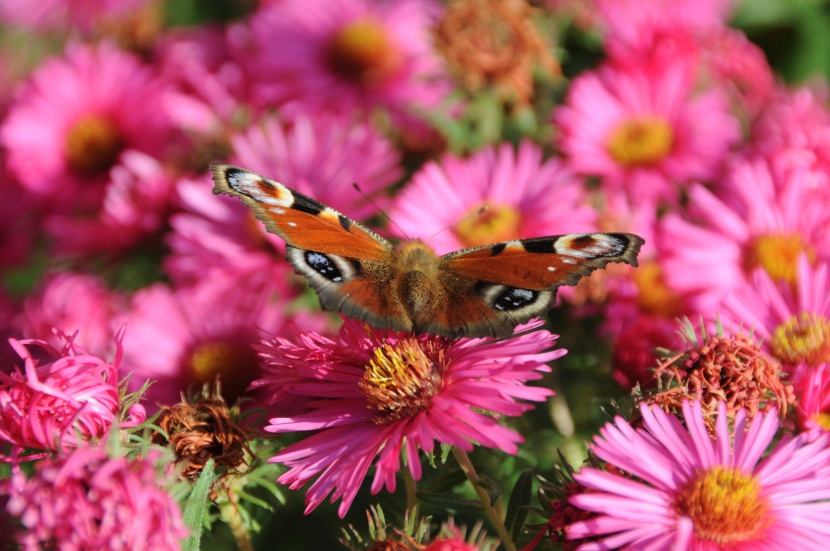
487 224
641 141
402 379
803 338
726 506
778 255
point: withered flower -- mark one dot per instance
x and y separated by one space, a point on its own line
494 44
203 430
732 369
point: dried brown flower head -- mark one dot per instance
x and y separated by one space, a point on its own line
494 44
204 430
733 370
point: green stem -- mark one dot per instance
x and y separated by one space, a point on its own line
483 497
411 489
229 512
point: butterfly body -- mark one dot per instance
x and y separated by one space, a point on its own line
482 291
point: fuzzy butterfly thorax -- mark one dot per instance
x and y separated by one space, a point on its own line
481 291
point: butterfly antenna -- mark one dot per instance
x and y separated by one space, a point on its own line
380 210
473 214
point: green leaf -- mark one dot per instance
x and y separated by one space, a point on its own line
197 506
517 507
451 502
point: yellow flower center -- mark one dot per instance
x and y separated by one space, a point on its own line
363 52
401 380
778 255
495 224
654 296
92 145
805 337
822 419
233 362
725 505
641 141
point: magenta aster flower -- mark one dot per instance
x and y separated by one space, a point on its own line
322 156
682 488
85 500
525 196
645 131
757 220
341 55
57 404
792 321
73 303
369 391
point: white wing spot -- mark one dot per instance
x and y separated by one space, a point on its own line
551 269
292 224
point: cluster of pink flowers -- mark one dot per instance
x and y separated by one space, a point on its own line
113 246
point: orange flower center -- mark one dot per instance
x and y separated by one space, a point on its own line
778 255
495 224
92 145
401 380
805 337
725 505
641 141
363 52
234 363
654 296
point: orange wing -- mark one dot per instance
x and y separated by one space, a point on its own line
545 262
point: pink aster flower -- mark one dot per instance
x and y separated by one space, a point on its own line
79 138
72 302
792 321
58 403
368 391
682 488
192 336
812 405
75 117
626 18
341 55
134 209
85 500
793 133
757 220
525 196
64 14
645 131
322 156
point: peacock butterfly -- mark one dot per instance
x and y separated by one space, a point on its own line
476 292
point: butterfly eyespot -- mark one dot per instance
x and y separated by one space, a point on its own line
323 265
513 299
